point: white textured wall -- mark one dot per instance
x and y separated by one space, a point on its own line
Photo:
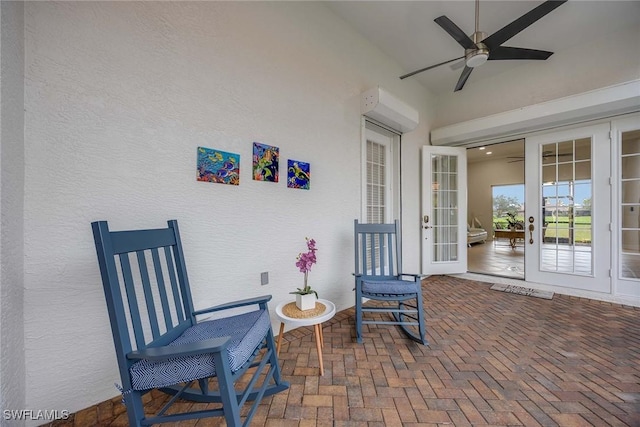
12 361
119 95
607 59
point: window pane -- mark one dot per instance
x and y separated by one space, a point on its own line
583 149
631 142
631 191
548 154
583 171
631 167
565 151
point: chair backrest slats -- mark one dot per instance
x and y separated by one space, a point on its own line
181 271
378 249
389 252
143 310
174 283
361 260
148 295
164 300
132 299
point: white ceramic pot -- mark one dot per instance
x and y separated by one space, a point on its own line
306 302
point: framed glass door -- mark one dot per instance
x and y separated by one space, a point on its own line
444 207
626 135
568 208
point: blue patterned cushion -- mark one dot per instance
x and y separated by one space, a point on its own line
390 287
246 330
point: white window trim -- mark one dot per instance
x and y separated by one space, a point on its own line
392 178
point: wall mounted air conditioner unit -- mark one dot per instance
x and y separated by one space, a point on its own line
379 105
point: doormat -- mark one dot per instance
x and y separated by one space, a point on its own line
521 290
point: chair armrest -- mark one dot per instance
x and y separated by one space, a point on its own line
234 304
212 345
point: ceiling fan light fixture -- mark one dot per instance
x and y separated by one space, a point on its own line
476 57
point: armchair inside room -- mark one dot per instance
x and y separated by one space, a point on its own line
162 342
475 232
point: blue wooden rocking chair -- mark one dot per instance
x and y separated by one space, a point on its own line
378 273
160 344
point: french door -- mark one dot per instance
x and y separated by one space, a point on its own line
568 208
444 210
626 184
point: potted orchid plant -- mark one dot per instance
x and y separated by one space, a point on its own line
305 296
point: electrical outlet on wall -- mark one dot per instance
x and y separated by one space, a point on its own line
264 278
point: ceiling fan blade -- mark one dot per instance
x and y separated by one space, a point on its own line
455 32
505 52
457 65
463 78
510 30
428 68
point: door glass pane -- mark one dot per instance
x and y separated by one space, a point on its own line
566 189
630 166
583 149
444 169
549 154
629 267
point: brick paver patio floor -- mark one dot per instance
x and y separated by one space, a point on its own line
494 359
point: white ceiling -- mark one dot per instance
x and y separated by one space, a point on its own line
405 31
509 151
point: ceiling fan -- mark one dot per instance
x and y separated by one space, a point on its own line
479 48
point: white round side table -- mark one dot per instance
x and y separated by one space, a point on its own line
316 321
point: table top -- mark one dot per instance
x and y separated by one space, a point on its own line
328 313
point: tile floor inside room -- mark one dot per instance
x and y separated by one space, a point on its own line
497 258
494 359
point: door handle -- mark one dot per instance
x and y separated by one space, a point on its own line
531 228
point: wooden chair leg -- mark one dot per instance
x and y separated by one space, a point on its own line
280 339
318 333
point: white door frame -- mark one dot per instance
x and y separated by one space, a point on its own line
390 140
456 239
598 280
622 286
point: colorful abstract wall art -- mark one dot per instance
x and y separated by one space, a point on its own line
265 162
298 174
218 166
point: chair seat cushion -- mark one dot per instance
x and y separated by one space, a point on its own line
246 330
390 287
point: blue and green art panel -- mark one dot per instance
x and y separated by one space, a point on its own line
298 174
265 162
218 166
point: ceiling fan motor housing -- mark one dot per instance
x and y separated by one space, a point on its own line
479 55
